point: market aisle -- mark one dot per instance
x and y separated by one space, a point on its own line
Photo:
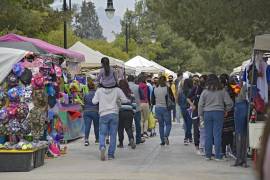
148 161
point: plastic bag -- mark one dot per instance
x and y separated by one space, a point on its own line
151 121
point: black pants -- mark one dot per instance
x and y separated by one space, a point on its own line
125 122
227 139
196 131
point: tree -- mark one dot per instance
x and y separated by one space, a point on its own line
209 22
28 17
87 23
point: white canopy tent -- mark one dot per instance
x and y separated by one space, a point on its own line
167 71
143 65
92 57
8 57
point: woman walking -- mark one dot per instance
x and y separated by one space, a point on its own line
90 113
126 114
213 104
161 96
184 106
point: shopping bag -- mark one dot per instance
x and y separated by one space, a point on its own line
151 121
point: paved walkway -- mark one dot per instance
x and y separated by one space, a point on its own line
148 162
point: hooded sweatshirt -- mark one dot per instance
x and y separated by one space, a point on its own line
145 90
108 100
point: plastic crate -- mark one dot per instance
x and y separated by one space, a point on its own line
255 134
14 161
39 157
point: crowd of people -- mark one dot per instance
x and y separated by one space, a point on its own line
214 110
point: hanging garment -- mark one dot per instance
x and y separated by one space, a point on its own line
262 84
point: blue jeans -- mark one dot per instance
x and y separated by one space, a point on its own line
213 123
137 119
240 117
188 123
108 124
165 122
88 117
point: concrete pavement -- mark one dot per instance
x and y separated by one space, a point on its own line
147 162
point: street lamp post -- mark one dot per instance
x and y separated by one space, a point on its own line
109 12
127 35
65 23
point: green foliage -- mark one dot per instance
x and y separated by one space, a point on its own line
24 17
87 23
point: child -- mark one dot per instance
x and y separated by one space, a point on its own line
107 77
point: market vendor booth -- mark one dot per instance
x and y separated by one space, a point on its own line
72 62
256 75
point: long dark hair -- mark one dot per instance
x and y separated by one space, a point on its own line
106 65
187 86
224 80
263 150
162 81
123 85
213 83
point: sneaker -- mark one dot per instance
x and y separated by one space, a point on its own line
208 159
111 157
102 154
86 143
132 144
162 144
191 141
220 160
202 153
120 146
107 141
145 134
166 140
54 150
96 141
186 142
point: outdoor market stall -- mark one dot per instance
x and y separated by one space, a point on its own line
72 60
257 78
144 65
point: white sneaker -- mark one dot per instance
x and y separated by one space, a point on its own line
220 160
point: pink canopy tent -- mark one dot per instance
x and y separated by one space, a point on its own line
45 46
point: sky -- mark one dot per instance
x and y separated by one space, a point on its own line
108 26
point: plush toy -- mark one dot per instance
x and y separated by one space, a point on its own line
18 69
38 81
12 80
13 94
3 116
22 111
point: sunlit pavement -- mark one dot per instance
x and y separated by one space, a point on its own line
148 161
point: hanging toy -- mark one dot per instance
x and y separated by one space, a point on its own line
13 94
12 110
22 111
38 81
28 94
253 116
14 126
2 98
3 116
58 71
12 80
25 127
18 69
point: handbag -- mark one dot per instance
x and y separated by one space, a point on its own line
170 101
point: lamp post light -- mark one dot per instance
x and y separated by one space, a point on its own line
110 9
109 12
